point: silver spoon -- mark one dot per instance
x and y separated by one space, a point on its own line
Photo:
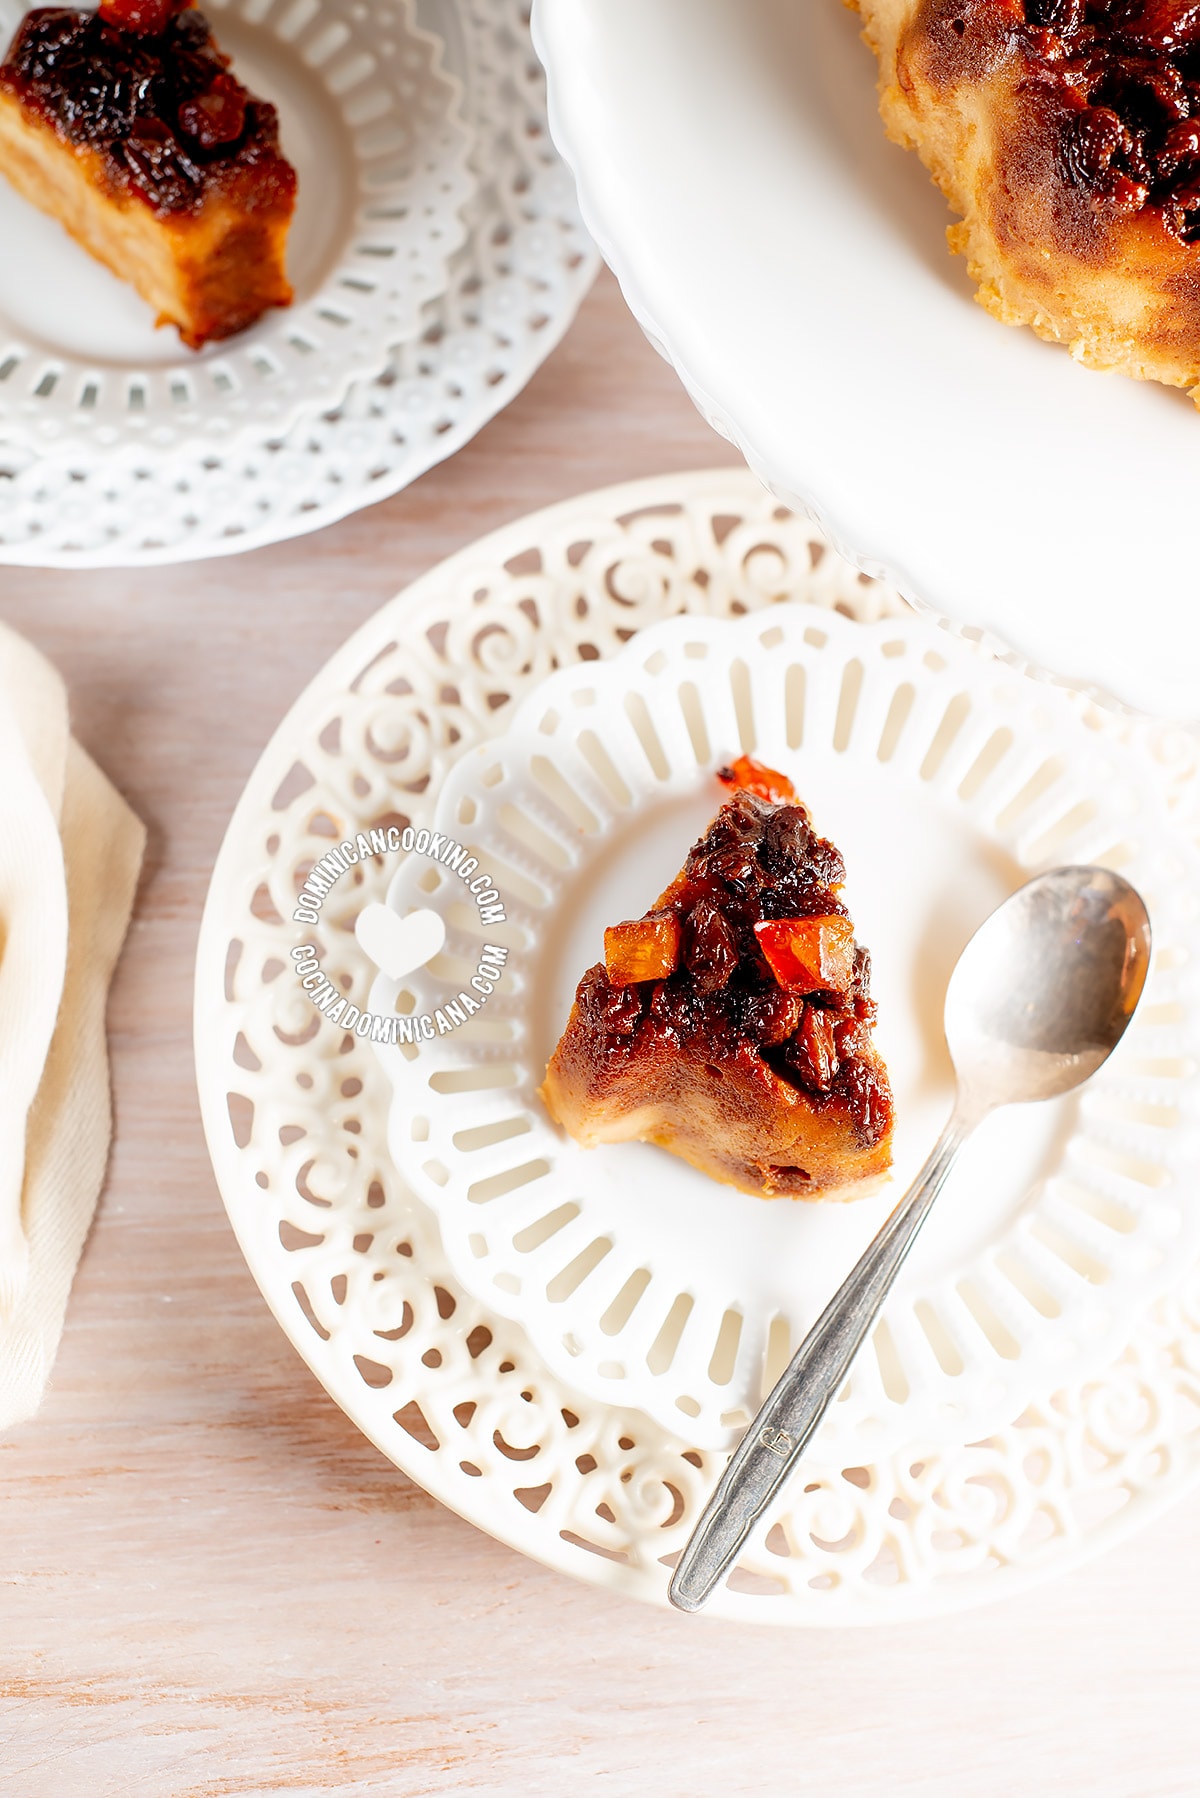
1040 997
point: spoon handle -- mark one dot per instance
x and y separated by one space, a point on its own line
767 1455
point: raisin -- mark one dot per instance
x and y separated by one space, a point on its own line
216 117
826 863
1158 26
772 1016
1180 145
161 170
1091 141
859 1084
818 1046
734 868
712 952
787 838
614 1011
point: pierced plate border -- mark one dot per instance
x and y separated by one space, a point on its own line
695 1332
351 1265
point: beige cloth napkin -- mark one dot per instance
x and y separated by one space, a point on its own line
70 851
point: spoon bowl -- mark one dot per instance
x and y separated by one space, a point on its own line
1043 991
1041 996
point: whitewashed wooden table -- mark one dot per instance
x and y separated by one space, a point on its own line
210 1584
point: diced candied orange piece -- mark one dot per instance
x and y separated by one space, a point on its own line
644 949
144 18
809 955
754 777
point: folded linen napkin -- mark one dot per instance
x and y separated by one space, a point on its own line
70 851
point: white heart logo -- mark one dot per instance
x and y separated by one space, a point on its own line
398 946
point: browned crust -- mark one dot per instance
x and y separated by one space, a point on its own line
738 1122
210 273
1119 290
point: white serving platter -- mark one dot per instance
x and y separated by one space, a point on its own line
791 263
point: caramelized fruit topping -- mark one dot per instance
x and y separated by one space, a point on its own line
146 18
155 99
1128 74
757 957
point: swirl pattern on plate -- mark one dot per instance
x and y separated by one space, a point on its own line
351 1264
948 780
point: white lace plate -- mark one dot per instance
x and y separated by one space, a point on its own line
351 1260
372 123
513 289
947 780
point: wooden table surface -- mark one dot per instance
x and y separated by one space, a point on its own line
210 1583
